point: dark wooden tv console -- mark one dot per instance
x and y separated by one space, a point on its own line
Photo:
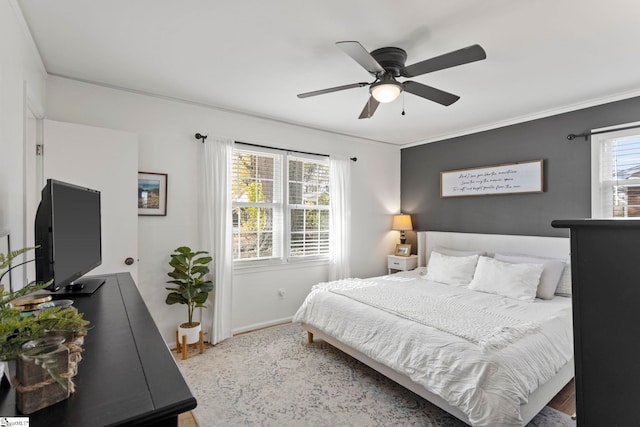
127 376
605 267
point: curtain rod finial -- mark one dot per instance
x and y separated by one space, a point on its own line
200 136
571 137
353 159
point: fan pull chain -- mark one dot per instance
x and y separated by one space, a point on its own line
403 103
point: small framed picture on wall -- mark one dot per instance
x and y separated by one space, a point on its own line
152 194
403 250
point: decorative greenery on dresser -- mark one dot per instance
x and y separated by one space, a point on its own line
45 340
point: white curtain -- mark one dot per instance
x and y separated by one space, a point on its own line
340 218
216 231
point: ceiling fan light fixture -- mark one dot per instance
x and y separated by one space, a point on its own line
388 63
386 91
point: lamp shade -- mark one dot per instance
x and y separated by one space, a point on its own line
402 222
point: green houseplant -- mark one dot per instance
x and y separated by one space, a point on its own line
18 328
192 288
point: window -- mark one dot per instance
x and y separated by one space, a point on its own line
272 192
256 202
616 174
308 207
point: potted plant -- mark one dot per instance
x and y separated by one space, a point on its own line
192 288
17 328
34 339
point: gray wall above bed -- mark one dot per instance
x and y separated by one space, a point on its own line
567 174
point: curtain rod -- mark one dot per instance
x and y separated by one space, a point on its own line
203 137
572 136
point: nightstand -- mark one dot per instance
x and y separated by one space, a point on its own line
402 263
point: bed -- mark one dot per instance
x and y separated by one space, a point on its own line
486 358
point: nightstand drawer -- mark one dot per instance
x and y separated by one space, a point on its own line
403 263
397 263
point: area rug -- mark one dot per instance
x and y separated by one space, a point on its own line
272 377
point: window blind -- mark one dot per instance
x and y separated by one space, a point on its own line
308 207
257 205
620 176
280 205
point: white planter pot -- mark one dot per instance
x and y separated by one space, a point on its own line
191 332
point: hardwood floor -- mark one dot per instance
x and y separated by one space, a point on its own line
565 401
187 420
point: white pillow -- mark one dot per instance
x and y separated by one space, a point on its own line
451 270
564 285
517 281
456 252
550 275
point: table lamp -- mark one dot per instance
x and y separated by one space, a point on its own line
402 223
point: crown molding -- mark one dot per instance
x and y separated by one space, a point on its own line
22 23
220 108
528 117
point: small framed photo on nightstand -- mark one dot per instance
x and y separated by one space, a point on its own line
402 250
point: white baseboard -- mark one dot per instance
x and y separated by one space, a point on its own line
173 346
261 325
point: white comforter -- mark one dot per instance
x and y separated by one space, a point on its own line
485 383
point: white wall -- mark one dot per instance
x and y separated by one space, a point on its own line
166 144
21 72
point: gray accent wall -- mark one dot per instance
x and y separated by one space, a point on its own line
567 174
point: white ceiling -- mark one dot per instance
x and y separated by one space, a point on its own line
253 56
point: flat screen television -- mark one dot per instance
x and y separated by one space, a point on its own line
68 236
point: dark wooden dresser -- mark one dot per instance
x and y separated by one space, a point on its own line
605 269
127 376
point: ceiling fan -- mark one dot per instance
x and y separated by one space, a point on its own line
387 63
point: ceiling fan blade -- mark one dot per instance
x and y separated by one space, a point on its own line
457 57
359 54
430 93
331 89
369 108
